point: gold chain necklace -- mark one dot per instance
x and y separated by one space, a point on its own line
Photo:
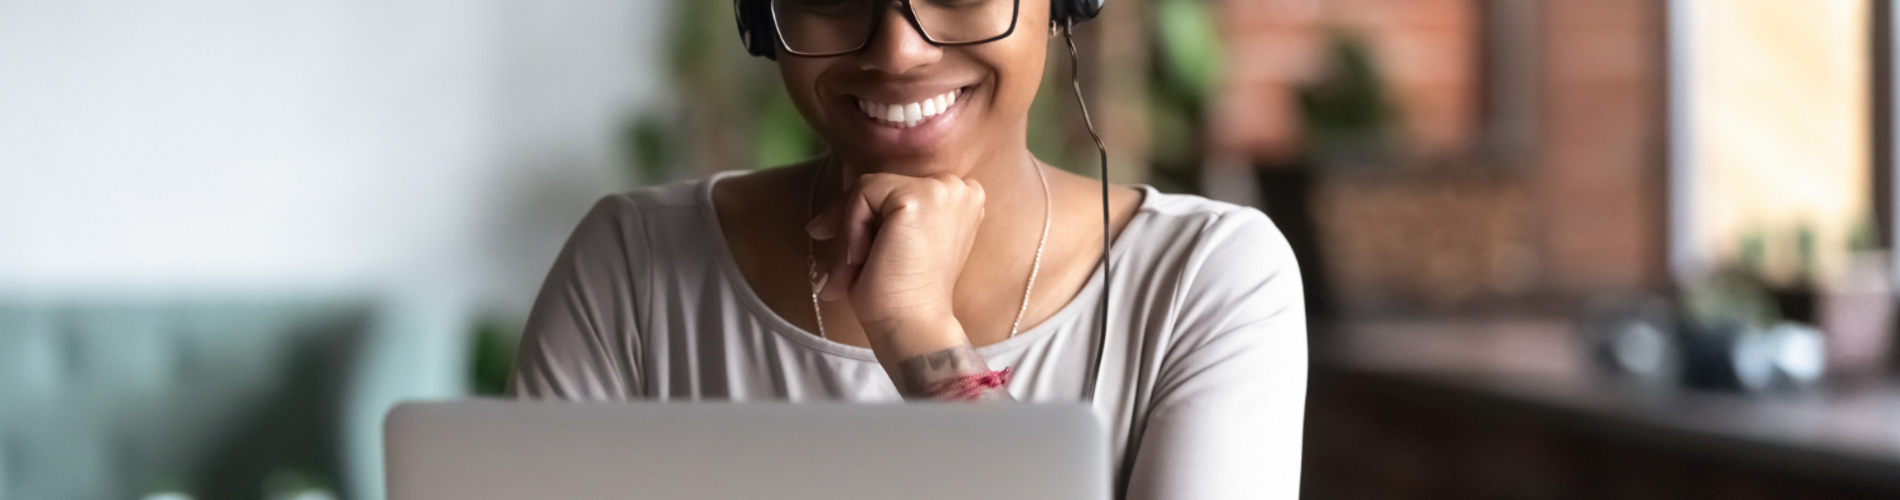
811 258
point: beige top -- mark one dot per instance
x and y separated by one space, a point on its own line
1202 382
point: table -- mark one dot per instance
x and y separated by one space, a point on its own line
1515 408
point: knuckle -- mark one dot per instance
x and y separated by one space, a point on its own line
873 180
935 182
904 201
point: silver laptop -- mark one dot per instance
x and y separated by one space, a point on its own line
495 449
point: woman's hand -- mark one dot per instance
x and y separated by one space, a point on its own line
901 243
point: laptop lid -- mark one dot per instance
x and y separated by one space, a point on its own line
493 449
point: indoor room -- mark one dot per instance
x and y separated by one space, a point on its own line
1511 249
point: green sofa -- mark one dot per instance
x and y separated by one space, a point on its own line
216 398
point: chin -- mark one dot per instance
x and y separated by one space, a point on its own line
944 155
910 163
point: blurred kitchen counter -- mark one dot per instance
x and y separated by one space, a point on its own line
1515 408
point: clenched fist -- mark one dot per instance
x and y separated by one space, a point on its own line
900 244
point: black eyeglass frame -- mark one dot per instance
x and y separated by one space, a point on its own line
1015 14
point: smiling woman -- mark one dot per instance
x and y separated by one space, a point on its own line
930 255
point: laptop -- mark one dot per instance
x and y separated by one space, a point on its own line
495 449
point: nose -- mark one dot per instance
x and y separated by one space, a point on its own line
898 46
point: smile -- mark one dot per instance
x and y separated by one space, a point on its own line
908 115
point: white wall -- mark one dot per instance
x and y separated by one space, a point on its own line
199 145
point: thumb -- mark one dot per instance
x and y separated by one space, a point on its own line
825 225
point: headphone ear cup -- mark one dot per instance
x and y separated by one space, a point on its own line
1063 12
756 31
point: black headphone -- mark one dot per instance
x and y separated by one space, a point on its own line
760 37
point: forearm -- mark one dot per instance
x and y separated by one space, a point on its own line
923 356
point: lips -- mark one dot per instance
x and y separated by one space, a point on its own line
908 115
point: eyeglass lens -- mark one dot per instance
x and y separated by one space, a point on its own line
837 26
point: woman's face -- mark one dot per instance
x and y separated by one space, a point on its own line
988 88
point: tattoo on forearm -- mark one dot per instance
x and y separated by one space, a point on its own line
924 372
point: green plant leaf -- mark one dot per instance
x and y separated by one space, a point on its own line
1191 46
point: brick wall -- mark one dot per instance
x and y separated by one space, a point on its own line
1426 49
1590 166
1600 166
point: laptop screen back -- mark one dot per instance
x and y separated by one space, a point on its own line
503 449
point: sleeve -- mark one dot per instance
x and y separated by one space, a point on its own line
581 341
1228 400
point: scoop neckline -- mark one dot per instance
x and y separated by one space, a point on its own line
790 331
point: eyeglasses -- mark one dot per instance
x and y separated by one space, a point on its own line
819 28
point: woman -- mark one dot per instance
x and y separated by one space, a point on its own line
930 255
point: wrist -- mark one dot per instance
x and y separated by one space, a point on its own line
901 338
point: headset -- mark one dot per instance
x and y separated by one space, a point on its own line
760 36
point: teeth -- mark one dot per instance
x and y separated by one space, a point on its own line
908 115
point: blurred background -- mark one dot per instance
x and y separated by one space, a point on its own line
1552 248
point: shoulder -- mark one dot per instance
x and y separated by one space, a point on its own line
1206 233
1172 206
677 204
688 194
1230 289
635 225
746 201
1224 361
1213 266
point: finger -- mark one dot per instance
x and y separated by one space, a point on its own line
979 197
860 220
841 273
851 224
825 225
839 280
820 228
857 230
834 274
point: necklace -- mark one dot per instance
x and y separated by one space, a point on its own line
811 256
